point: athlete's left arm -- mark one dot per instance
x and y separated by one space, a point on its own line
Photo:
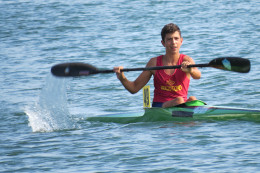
194 71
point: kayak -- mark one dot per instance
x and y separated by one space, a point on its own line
189 111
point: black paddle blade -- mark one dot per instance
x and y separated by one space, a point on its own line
73 69
235 64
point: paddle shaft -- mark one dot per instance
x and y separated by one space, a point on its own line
152 68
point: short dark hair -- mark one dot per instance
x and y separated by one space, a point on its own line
169 28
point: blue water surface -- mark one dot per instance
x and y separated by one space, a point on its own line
43 123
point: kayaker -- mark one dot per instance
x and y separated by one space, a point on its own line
171 85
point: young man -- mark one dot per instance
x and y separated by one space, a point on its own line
171 85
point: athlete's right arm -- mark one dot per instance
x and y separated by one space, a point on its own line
134 86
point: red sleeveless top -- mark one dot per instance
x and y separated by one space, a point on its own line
168 87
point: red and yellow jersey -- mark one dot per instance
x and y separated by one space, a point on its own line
168 87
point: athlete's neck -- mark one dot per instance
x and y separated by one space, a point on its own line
171 59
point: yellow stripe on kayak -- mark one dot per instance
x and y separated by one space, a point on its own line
146 96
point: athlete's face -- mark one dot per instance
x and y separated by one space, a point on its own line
172 42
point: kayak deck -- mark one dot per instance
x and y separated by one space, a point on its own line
195 110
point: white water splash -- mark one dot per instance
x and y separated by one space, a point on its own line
50 112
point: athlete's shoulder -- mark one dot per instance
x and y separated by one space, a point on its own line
152 62
187 58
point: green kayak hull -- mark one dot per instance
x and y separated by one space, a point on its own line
190 111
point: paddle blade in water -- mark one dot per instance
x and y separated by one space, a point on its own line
73 69
235 64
